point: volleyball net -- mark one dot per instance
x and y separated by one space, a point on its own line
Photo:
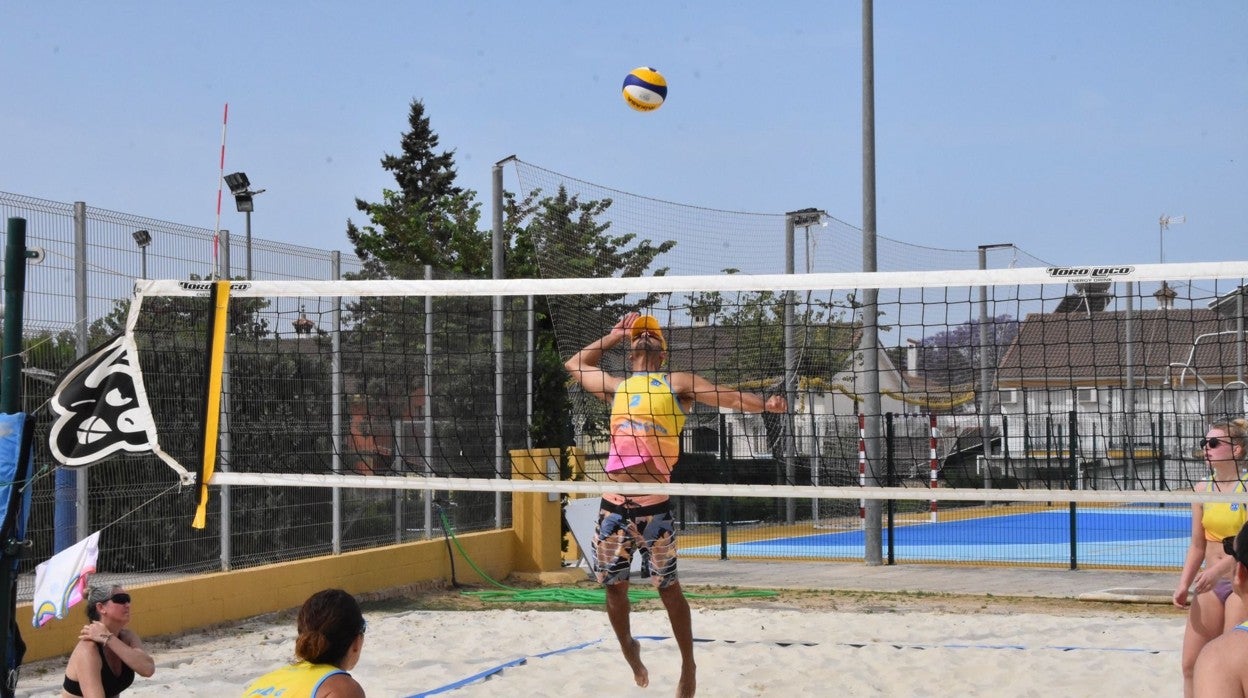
1036 384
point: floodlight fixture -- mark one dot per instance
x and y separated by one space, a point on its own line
142 238
244 201
237 182
808 216
240 187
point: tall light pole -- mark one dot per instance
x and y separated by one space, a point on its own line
985 373
142 238
872 407
244 195
805 217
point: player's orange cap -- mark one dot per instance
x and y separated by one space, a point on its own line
647 323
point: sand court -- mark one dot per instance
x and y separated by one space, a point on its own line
762 649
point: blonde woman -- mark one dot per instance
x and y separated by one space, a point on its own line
108 654
1207 569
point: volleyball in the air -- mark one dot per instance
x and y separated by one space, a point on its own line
645 89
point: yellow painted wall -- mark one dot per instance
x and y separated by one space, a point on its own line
546 552
198 601
536 516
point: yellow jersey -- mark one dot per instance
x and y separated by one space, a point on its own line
646 421
298 680
1223 519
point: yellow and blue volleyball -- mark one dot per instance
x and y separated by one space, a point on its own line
645 89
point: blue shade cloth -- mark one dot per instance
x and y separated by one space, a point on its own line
11 426
16 436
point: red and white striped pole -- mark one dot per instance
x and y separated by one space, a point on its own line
216 232
935 465
862 464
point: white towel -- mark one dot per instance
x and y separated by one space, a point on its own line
61 582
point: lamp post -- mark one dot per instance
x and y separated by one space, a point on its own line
142 238
244 201
805 217
985 374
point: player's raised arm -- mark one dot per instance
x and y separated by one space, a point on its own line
708 393
584 364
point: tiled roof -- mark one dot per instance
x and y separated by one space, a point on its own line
1091 349
713 351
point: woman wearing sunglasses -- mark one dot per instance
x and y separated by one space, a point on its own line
331 636
108 654
1214 609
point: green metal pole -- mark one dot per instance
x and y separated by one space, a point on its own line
11 403
14 285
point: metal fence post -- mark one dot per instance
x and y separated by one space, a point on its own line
336 408
1073 458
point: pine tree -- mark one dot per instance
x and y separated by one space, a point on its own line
427 219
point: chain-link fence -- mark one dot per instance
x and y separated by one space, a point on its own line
74 298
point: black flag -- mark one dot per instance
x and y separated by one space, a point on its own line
101 409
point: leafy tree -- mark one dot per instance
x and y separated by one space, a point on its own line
952 357
427 219
564 228
708 305
182 315
825 332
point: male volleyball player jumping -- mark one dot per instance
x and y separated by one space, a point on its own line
648 409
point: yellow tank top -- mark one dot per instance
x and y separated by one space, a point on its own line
1223 519
299 680
648 413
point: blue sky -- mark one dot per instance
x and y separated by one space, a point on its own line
1065 127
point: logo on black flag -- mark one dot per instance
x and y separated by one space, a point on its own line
100 407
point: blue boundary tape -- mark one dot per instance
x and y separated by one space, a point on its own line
498 669
857 645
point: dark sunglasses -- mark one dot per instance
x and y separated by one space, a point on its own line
1228 545
363 626
1214 442
120 598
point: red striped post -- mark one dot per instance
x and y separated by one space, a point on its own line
935 466
862 464
216 233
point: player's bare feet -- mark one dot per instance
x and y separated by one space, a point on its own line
633 654
688 682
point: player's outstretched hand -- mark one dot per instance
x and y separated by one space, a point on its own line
776 403
621 328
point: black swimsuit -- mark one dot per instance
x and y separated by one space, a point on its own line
113 684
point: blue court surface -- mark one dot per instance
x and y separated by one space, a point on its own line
1126 537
